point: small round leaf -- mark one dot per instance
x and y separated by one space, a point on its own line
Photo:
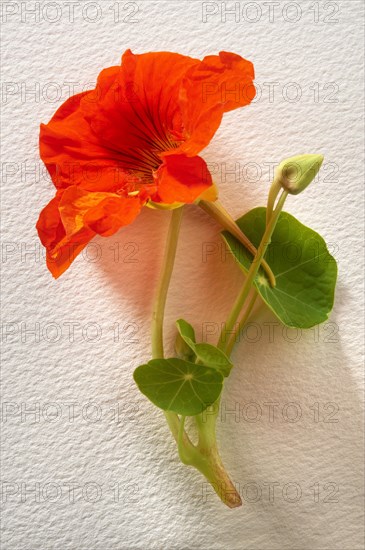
179 386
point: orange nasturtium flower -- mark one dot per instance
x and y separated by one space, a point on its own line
134 140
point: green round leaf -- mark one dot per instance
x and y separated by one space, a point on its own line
305 271
205 354
211 356
179 386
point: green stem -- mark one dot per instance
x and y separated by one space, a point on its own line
160 304
210 427
273 193
242 323
164 282
204 457
181 443
207 460
207 429
252 272
225 220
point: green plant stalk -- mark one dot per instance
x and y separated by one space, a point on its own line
252 272
273 193
207 430
164 282
242 323
159 309
160 304
220 214
206 459
204 456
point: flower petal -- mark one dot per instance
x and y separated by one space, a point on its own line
73 154
112 213
217 85
160 100
134 139
75 216
140 110
113 138
61 249
181 179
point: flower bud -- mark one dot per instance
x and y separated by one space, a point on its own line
296 173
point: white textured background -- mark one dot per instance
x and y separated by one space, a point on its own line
130 491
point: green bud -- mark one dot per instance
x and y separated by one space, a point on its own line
296 173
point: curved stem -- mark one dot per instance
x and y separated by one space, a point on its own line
164 282
273 193
204 457
159 308
239 303
252 272
225 220
207 459
242 323
180 441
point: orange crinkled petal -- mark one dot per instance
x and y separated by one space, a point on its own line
75 216
217 85
152 104
74 155
135 137
181 179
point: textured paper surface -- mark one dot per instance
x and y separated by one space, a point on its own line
291 428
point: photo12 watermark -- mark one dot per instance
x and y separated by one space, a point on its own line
270 12
70 412
91 492
275 492
34 253
70 331
270 412
35 12
255 174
